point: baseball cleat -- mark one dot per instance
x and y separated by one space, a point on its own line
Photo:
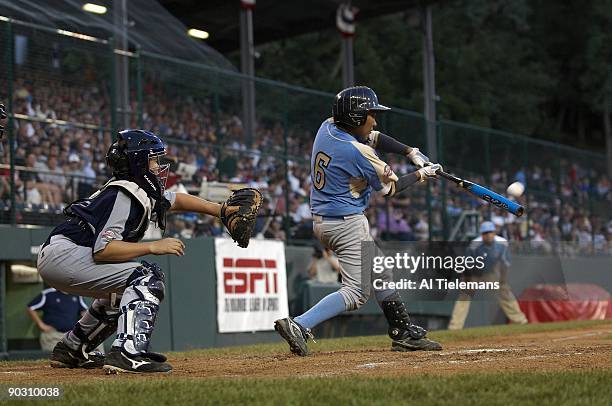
294 334
118 361
63 356
415 344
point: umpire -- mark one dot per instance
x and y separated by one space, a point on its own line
497 261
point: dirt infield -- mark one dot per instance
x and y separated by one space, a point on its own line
587 348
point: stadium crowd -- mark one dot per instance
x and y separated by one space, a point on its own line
59 163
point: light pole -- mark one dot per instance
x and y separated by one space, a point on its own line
247 67
120 20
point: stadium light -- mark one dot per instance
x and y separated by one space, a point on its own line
94 8
197 33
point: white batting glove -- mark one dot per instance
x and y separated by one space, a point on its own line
429 171
417 158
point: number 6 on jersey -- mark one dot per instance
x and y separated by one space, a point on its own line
322 161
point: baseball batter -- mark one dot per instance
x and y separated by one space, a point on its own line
92 254
344 170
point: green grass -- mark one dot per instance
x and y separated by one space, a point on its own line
566 388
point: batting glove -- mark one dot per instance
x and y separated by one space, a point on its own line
429 171
417 158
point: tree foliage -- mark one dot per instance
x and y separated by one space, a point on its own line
536 67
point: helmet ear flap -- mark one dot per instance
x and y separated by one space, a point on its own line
117 159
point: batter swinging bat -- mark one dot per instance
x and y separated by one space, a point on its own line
486 194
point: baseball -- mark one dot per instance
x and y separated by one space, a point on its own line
516 189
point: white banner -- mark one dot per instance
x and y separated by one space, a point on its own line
251 285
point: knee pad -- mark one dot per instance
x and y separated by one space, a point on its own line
148 282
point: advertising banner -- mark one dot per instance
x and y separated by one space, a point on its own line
251 285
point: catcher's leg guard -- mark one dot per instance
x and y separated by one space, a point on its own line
405 335
139 306
98 323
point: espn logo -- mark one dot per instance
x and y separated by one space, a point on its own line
250 276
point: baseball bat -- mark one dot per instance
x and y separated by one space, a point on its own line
485 194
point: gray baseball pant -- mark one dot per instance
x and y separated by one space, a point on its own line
70 268
344 237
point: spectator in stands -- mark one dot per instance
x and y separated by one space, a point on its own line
207 226
394 226
603 187
538 239
302 217
37 172
190 118
275 231
54 181
324 266
421 228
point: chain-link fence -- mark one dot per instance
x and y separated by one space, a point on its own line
567 194
61 92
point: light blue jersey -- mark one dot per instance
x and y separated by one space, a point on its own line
344 172
494 253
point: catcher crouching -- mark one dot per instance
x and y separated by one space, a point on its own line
93 254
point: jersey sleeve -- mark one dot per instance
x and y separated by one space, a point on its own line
111 226
171 197
376 171
37 302
82 303
372 139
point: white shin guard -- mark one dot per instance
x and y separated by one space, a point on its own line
139 307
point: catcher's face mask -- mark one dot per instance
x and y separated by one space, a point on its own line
159 169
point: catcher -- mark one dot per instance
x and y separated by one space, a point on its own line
93 254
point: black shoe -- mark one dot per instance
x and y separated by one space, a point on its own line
411 344
294 334
118 361
65 357
412 339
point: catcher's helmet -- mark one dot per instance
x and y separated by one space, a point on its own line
351 105
129 157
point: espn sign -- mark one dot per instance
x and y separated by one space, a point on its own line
250 275
251 285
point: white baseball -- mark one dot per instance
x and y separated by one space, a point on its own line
516 189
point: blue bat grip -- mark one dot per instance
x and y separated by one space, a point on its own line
497 199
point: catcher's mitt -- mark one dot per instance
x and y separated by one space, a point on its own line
239 213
